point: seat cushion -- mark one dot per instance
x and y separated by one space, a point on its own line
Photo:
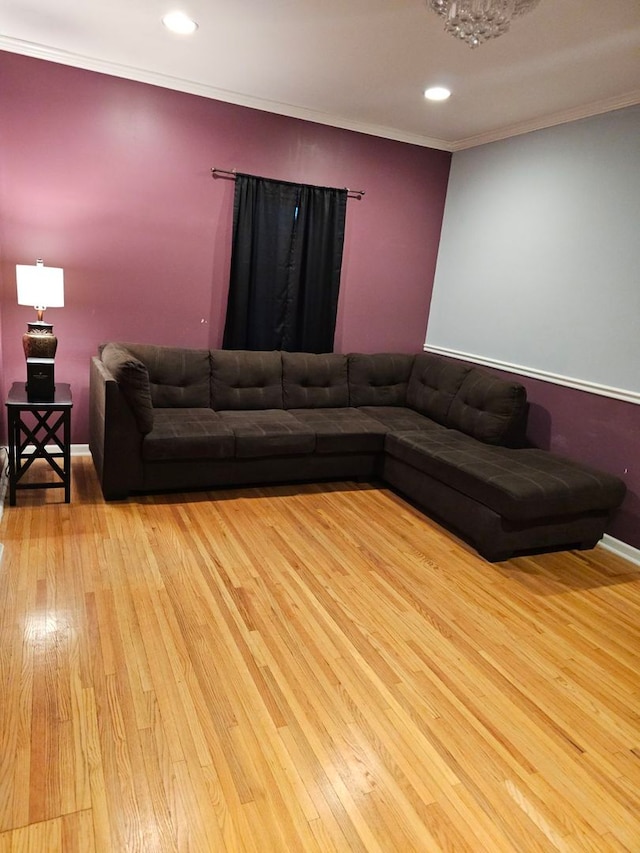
379 379
399 418
271 432
188 434
313 380
518 484
243 380
343 430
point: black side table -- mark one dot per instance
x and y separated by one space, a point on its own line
39 431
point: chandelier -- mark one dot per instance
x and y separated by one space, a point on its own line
476 21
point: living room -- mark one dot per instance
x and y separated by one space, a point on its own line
90 161
110 178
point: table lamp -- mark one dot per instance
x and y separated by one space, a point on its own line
42 287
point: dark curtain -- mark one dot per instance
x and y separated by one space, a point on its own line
285 266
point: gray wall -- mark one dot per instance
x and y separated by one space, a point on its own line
539 260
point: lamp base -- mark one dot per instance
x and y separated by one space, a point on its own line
41 386
39 341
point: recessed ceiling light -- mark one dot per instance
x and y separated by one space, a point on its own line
180 23
437 93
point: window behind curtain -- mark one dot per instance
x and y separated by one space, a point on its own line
285 266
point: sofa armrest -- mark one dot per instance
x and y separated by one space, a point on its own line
115 440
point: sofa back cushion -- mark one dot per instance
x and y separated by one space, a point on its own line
490 409
433 384
379 379
313 380
179 376
133 378
244 380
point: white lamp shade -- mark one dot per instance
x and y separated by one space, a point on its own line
40 286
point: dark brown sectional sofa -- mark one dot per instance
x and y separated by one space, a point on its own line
447 435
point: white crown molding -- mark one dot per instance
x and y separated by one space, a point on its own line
193 88
545 376
607 105
621 549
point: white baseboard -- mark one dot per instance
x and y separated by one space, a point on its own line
621 549
75 449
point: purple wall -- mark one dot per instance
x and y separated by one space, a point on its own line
110 179
596 430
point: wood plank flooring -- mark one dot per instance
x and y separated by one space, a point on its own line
318 668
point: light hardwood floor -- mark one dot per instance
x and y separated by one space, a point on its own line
318 668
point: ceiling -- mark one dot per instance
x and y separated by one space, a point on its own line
358 64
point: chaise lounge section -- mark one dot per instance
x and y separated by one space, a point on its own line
446 435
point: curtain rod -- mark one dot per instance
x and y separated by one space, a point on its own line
231 173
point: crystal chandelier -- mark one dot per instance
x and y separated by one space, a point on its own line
475 21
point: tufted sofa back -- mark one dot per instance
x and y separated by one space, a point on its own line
178 376
453 394
243 380
468 399
314 381
490 409
433 384
379 379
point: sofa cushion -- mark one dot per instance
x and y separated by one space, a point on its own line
315 381
244 380
399 418
133 378
379 379
520 485
269 432
178 376
343 430
433 384
188 434
490 409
